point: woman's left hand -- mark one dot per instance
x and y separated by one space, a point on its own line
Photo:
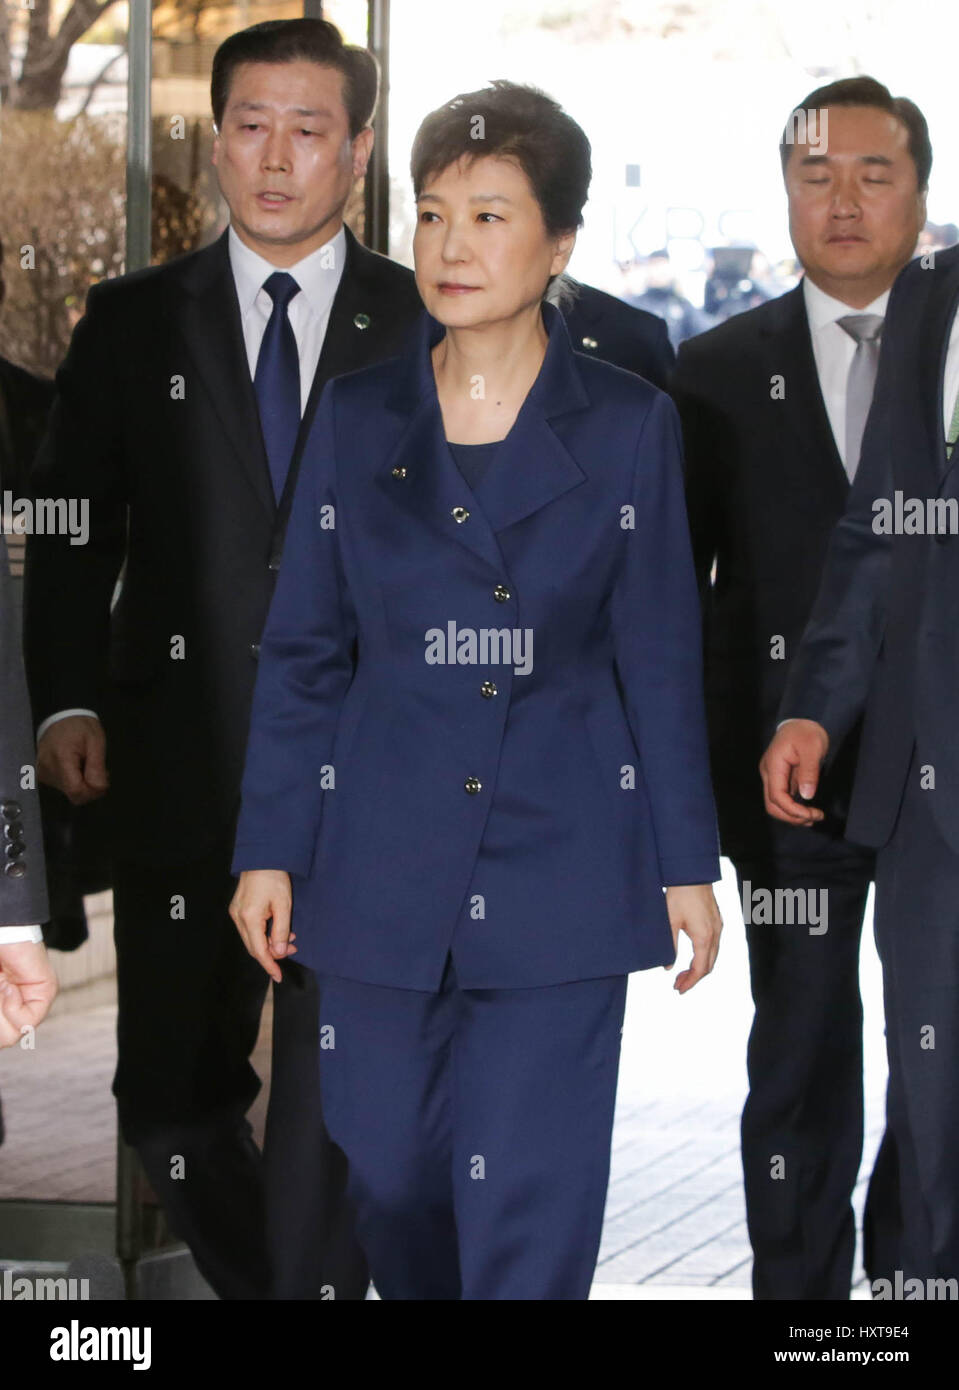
692 909
262 911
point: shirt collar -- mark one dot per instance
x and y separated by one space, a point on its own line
822 308
317 278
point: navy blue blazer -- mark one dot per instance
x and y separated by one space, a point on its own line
523 813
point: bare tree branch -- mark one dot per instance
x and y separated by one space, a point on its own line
47 55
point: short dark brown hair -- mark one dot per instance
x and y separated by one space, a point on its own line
295 41
510 121
866 91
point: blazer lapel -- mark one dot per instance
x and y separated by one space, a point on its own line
790 355
531 467
419 472
209 320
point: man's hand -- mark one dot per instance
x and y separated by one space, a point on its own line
791 764
692 909
72 755
262 895
28 987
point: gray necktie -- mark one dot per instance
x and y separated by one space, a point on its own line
864 329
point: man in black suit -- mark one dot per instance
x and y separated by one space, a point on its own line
773 405
600 325
182 408
883 643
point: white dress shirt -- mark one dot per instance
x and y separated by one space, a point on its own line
9 936
318 276
950 377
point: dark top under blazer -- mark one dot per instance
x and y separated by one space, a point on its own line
883 637
570 867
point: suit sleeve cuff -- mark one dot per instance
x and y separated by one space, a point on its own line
281 858
677 873
62 714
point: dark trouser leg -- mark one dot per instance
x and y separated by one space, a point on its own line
802 1124
190 999
534 1090
477 1124
917 933
314 1251
387 1103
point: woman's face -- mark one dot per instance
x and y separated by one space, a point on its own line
482 252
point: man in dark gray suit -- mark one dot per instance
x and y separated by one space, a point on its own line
27 981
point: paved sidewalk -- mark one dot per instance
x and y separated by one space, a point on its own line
675 1222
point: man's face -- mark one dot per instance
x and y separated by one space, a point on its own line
855 209
284 157
481 248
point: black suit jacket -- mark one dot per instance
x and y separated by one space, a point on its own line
72 836
156 423
600 325
884 636
765 487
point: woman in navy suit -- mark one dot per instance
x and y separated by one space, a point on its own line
477 752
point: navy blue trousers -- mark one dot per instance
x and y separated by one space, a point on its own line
477 1126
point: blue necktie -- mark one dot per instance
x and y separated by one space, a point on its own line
277 380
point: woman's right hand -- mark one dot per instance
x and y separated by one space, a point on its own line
262 895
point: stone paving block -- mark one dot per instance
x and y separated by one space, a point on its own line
691 1280
740 1276
713 1260
642 1218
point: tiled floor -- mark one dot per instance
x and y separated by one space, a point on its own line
675 1222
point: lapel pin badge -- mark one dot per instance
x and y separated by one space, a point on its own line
361 320
590 343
